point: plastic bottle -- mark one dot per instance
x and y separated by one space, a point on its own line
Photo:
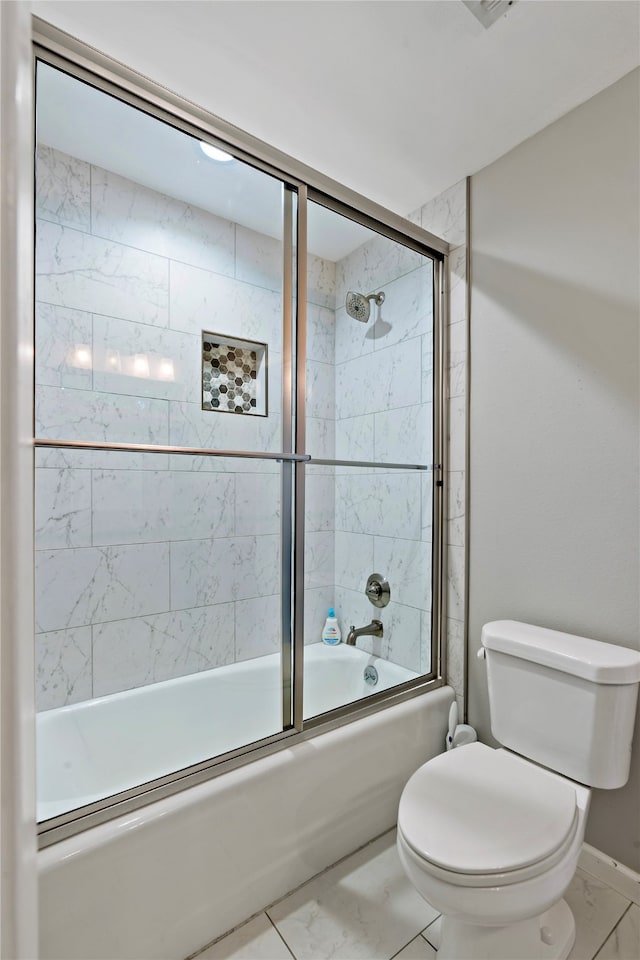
331 631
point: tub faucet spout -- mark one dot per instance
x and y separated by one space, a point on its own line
373 629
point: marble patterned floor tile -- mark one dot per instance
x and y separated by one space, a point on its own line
364 907
624 942
597 909
256 940
418 949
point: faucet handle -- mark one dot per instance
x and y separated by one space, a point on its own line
378 590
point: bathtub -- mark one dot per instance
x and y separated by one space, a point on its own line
91 750
161 882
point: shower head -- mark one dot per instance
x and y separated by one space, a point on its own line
359 307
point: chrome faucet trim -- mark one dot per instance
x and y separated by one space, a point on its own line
373 629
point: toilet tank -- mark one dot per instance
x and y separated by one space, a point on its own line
566 702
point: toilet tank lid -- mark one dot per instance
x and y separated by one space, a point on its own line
590 659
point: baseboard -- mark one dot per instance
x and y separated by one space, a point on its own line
620 878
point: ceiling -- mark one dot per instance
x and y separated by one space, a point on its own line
397 100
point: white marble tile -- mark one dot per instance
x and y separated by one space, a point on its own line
364 907
63 667
201 300
455 527
319 559
258 627
63 414
60 336
405 435
406 564
317 601
143 506
457 417
407 311
217 571
458 285
387 504
321 390
173 369
352 607
418 949
321 438
62 509
259 259
457 359
255 940
425 641
455 655
354 438
455 583
91 584
372 265
62 188
353 338
624 942
135 652
319 501
353 559
321 281
388 379
597 909
426 369
75 269
190 426
133 214
426 502
401 642
321 331
445 215
258 498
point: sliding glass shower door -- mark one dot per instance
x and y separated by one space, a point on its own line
236 429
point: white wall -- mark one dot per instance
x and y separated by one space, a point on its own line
554 399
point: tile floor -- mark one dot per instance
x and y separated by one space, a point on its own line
364 908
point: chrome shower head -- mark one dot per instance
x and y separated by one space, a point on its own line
359 307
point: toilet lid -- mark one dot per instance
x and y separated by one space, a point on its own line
478 810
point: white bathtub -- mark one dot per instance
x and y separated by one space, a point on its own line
163 881
91 750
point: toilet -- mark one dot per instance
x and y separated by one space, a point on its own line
491 837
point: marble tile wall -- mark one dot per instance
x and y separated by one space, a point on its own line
384 414
153 566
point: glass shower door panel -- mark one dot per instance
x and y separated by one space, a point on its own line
158 619
159 575
374 520
369 406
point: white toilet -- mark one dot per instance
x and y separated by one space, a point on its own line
491 838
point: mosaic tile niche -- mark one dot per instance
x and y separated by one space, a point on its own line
234 375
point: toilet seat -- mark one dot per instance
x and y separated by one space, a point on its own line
479 817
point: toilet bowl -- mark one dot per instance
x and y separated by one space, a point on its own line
491 837
492 841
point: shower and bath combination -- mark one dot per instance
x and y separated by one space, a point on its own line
358 305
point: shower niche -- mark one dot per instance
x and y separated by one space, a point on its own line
234 375
171 542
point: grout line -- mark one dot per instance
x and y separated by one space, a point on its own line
608 934
281 935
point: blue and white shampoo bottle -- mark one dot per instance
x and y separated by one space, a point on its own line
331 631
